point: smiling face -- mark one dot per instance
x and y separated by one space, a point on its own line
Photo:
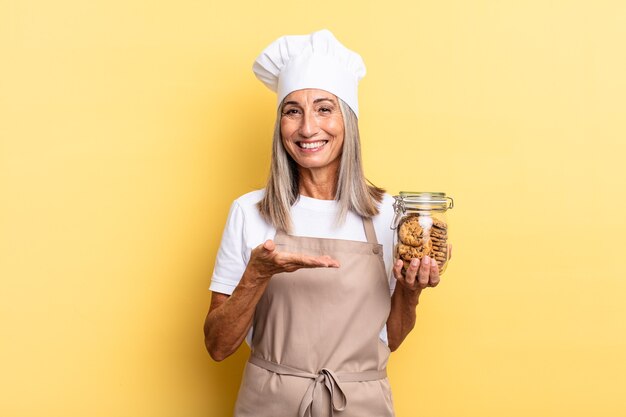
312 129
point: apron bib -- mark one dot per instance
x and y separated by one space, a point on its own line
316 350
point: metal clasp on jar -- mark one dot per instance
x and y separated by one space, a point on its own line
399 210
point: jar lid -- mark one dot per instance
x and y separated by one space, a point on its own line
422 200
426 197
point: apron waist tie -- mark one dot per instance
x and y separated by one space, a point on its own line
311 401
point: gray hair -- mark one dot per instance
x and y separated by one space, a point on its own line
354 192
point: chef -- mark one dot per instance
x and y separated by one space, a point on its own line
305 270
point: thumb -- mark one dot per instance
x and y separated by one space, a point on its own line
269 245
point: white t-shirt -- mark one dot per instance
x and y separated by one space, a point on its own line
245 229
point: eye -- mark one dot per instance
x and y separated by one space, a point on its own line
291 112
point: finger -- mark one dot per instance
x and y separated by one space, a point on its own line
424 272
330 262
269 245
411 272
397 270
305 261
434 274
319 262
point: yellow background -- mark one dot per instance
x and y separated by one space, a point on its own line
128 127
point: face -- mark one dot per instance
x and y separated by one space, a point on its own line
311 127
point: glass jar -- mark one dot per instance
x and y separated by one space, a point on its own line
421 227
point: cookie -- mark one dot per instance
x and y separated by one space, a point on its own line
407 252
438 233
410 231
439 224
419 242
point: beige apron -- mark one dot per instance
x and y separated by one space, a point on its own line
316 349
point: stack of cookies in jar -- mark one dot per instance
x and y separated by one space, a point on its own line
422 235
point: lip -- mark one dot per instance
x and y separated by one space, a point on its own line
311 150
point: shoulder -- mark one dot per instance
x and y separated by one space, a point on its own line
245 211
388 200
385 207
382 221
245 228
249 200
246 205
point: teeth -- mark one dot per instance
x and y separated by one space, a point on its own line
312 145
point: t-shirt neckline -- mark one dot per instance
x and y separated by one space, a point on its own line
316 204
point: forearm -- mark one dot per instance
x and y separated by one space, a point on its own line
401 318
227 325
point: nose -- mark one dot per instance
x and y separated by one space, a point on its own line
309 125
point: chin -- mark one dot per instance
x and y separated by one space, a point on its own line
314 164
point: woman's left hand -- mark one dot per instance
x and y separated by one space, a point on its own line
419 274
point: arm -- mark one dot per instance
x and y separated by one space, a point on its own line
230 317
406 295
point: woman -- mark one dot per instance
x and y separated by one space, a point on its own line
300 269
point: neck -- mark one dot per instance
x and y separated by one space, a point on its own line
318 183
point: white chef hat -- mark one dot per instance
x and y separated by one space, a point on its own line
317 60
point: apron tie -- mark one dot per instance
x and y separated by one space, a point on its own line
312 399
313 396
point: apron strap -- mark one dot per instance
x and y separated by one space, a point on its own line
370 233
311 401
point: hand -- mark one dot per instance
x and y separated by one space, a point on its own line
419 274
266 261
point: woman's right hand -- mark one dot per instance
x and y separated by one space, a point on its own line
266 261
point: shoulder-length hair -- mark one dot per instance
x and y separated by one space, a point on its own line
354 192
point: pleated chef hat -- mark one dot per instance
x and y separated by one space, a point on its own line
317 60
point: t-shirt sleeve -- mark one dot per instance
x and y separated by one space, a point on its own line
231 261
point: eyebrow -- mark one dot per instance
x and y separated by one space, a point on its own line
317 100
